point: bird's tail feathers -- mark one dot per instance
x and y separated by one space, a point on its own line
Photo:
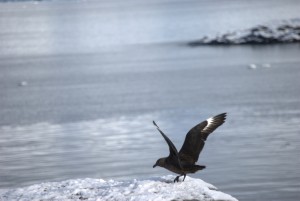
193 168
200 167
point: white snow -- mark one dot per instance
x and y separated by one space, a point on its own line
160 188
276 32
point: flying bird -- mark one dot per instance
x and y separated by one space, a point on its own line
184 161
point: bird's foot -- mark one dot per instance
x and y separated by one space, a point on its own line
176 179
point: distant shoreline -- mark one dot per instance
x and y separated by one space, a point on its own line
287 31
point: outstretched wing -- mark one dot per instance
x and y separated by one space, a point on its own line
196 137
174 156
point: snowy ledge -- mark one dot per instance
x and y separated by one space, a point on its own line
286 31
160 188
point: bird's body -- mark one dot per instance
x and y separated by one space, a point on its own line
184 161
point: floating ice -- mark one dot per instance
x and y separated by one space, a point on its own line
252 66
161 188
266 65
255 66
280 32
23 84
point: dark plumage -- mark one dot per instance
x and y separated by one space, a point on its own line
183 162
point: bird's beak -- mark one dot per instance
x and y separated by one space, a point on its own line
154 165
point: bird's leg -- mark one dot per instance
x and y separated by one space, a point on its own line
176 179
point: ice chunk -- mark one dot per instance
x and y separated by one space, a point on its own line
252 66
266 65
22 83
160 188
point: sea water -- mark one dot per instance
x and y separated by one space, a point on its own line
98 73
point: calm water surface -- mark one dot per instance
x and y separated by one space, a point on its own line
87 110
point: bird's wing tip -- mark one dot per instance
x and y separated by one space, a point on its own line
223 115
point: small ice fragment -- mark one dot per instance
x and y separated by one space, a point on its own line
23 84
266 65
252 66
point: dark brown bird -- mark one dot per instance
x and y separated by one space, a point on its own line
184 161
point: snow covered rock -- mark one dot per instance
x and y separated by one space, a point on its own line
161 188
280 32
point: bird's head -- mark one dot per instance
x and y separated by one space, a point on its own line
160 162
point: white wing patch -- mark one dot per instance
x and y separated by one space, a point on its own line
209 122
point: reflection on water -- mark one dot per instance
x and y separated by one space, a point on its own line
70 27
101 148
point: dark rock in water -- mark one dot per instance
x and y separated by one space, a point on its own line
283 32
